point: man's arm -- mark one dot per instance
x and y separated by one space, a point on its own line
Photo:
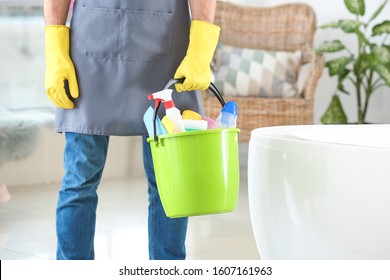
195 67
59 66
203 10
56 12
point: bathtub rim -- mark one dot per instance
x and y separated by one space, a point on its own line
278 137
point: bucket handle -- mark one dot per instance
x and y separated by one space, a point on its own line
170 84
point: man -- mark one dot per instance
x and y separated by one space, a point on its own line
99 76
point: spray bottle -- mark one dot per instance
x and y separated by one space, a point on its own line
228 116
172 112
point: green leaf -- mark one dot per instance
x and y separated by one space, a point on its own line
337 66
387 47
382 54
341 88
344 73
383 72
349 26
330 25
364 62
334 114
330 47
356 7
381 28
378 11
362 38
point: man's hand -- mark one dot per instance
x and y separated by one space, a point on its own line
195 67
60 72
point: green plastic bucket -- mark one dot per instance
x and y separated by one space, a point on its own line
197 172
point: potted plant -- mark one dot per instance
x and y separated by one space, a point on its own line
363 72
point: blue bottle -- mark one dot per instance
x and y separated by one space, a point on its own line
228 116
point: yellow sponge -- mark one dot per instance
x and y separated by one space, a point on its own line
191 115
169 125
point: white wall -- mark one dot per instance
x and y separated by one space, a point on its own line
332 10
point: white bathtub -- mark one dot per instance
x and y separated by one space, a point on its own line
320 192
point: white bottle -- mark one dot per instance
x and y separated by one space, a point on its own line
174 115
228 116
170 110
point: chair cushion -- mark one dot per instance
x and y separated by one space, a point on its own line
253 72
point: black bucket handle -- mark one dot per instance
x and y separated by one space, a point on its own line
169 85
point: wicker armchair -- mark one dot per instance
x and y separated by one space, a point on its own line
288 27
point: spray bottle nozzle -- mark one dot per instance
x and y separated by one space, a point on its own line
151 97
164 96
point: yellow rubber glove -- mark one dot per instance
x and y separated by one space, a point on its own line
59 67
195 67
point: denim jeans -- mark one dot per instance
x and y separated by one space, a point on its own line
84 160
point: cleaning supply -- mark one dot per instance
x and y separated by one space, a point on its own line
210 122
169 125
228 116
192 125
197 173
148 120
191 115
193 121
171 111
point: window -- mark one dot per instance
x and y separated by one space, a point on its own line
22 63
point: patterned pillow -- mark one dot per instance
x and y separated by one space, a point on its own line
251 72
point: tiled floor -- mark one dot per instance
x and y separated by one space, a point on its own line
27 225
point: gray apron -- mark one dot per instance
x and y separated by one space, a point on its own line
122 51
